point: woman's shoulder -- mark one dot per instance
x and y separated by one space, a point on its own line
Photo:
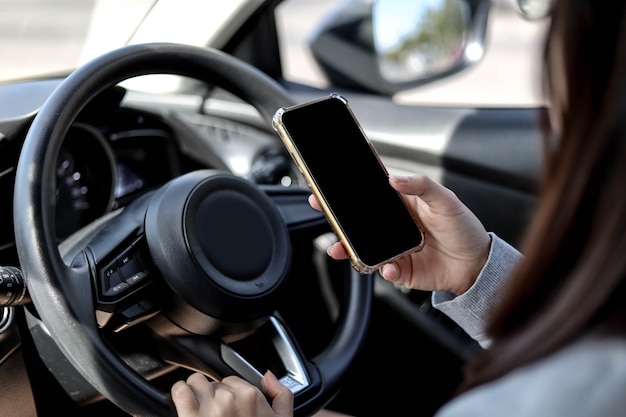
586 378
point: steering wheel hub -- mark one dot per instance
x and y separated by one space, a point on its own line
220 243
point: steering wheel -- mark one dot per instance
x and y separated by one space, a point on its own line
200 264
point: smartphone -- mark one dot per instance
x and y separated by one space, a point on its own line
346 174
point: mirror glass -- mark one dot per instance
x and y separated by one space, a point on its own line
419 38
535 9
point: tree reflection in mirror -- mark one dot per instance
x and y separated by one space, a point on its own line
535 9
429 37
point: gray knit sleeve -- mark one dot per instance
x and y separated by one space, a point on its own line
471 309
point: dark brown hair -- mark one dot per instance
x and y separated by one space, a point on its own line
572 279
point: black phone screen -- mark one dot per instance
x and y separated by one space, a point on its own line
352 179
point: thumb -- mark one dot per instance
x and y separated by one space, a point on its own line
281 396
428 190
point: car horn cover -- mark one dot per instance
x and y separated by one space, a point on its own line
220 243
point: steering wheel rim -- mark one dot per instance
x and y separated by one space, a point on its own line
72 324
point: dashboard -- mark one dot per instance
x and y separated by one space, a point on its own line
115 151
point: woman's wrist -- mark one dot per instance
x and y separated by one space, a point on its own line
475 267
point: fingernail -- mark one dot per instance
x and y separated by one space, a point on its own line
400 178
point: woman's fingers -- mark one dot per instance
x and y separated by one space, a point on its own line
430 192
185 400
314 203
282 397
337 251
187 395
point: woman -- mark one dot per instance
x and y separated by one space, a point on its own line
554 322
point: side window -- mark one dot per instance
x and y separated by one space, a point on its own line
296 21
506 76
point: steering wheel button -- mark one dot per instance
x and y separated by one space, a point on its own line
291 383
128 267
109 271
110 278
137 278
124 259
116 290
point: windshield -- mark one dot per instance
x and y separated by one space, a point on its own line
38 37
43 37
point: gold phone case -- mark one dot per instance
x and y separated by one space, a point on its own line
280 128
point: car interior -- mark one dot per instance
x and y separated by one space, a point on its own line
147 235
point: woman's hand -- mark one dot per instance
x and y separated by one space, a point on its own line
233 397
456 243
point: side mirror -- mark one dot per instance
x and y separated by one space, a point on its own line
387 46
